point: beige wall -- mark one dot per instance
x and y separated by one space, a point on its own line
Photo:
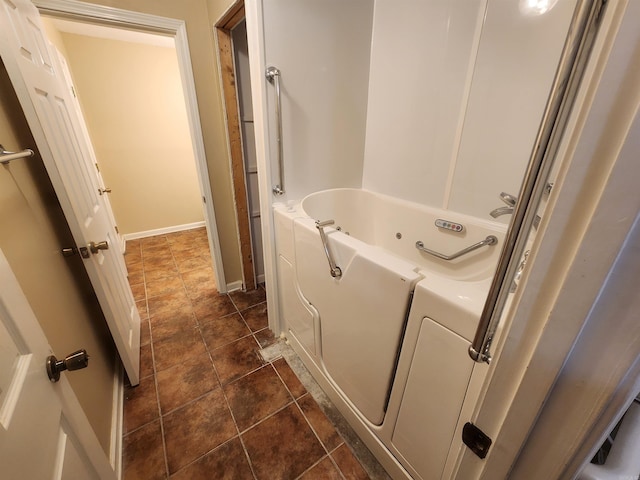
54 36
217 8
32 232
197 18
132 100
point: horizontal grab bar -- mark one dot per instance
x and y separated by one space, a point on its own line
6 156
336 272
490 240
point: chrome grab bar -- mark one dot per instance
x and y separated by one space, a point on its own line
273 75
490 240
335 270
7 156
580 39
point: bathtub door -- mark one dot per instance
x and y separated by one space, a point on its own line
362 314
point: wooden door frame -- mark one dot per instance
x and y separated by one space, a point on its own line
224 46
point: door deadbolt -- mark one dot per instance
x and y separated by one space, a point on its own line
71 251
74 361
94 247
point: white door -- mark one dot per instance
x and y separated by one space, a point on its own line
81 127
43 431
48 107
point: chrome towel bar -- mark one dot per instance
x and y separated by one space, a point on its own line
336 272
273 75
490 240
6 156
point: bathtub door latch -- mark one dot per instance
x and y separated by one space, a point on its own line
336 272
475 439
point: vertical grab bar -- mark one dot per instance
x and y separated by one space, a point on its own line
575 53
273 75
336 272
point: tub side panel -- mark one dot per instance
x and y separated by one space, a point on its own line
298 317
432 400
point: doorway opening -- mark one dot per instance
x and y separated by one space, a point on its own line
129 92
231 38
174 31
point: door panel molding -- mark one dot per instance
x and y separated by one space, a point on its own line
15 309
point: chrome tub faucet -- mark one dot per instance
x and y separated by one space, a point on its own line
510 200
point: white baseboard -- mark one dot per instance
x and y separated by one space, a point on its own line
234 286
162 231
117 419
238 284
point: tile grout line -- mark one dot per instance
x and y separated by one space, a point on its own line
160 411
328 454
153 361
235 423
155 376
264 364
295 400
224 394
199 331
155 379
346 440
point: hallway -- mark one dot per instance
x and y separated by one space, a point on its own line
208 406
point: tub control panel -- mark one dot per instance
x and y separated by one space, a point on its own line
447 225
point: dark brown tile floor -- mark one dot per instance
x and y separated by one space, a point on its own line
208 406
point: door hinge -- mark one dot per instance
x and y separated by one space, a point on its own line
204 200
116 227
73 90
97 167
475 439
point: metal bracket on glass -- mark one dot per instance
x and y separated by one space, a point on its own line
336 272
490 240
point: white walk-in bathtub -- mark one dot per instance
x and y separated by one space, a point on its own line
360 331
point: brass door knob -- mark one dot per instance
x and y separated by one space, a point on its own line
94 247
75 361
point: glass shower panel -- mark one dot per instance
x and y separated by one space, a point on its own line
515 66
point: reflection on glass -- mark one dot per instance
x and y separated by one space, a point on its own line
536 7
